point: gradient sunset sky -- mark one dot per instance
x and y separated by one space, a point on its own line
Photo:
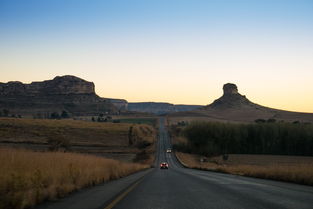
174 51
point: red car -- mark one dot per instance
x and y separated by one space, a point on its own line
164 165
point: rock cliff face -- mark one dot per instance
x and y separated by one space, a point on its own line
230 88
231 98
68 93
120 104
158 108
73 95
58 86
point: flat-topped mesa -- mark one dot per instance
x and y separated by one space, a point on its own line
230 88
69 93
64 85
60 85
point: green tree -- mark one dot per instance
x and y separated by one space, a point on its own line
55 115
5 112
64 114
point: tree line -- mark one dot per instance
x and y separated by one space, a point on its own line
212 138
7 113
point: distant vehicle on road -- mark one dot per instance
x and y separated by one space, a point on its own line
164 165
169 150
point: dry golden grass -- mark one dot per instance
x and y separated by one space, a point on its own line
145 139
145 132
284 168
77 132
27 178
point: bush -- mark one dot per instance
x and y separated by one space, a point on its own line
5 112
143 144
260 120
56 144
141 156
64 114
55 115
271 120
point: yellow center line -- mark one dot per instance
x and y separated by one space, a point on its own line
121 196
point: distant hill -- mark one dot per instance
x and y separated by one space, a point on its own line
232 106
159 108
64 93
71 94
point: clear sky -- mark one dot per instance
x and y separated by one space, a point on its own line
174 51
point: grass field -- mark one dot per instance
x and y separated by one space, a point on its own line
28 178
78 132
296 169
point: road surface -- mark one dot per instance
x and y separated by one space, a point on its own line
182 188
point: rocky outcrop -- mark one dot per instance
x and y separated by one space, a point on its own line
234 107
68 93
231 98
230 88
60 85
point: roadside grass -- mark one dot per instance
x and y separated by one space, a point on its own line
294 169
28 178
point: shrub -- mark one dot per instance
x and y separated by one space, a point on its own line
141 156
64 114
55 115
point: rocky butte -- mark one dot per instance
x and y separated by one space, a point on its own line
231 98
234 107
63 93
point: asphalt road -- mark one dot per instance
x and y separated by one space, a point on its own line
183 188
